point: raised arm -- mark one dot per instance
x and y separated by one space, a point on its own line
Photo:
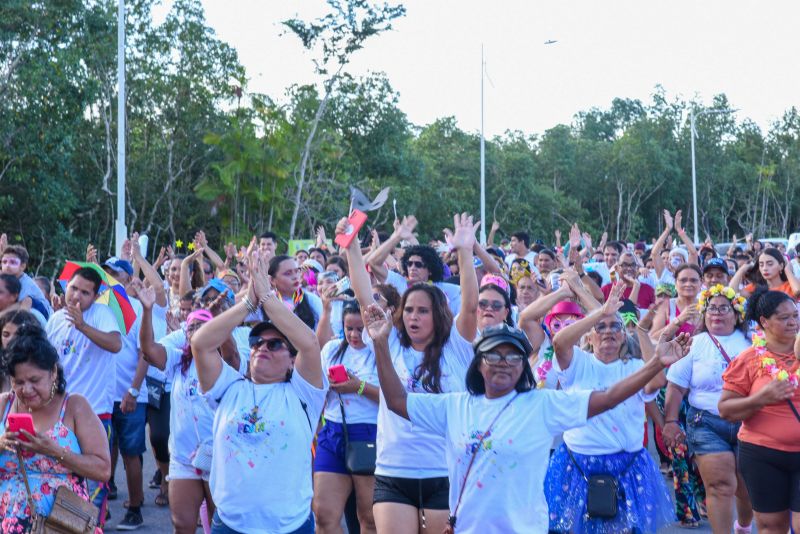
464 240
378 324
667 353
792 279
732 249
149 272
213 257
359 277
404 230
568 337
739 277
694 257
489 263
658 246
492 232
153 353
109 341
185 284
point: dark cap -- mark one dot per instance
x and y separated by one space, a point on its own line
716 263
501 334
263 326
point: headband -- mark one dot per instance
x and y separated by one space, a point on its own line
202 316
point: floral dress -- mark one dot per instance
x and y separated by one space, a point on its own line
45 476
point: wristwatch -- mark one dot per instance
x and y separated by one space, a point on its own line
134 392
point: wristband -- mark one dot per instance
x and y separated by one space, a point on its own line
671 421
247 302
362 387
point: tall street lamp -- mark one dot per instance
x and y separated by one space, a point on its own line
692 118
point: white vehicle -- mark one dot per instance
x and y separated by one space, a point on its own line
794 240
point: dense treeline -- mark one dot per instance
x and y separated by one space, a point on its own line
205 152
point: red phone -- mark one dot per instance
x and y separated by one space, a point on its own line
355 222
338 374
21 421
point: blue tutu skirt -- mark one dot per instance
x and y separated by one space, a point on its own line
643 499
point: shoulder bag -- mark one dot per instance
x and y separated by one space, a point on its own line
360 456
602 490
720 348
70 514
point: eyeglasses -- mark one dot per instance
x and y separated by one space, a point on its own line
494 305
628 265
273 344
614 328
417 264
492 358
719 310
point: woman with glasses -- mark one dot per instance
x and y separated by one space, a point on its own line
430 351
494 302
264 422
497 433
711 439
354 403
610 443
760 389
681 311
190 419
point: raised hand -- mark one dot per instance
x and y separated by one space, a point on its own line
405 229
587 239
162 257
147 296
464 231
678 218
557 233
377 322
91 254
495 226
136 250
668 223
260 281
230 251
74 315
200 239
173 321
321 238
574 236
3 241
669 352
126 253
614 301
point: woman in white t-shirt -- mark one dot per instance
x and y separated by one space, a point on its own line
610 444
358 398
710 438
264 423
430 351
498 433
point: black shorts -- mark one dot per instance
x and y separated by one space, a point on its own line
429 493
772 477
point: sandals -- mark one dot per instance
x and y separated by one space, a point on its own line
689 524
739 529
162 499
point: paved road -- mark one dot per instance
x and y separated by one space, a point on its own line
157 520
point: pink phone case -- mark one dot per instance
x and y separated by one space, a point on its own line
21 421
338 374
356 221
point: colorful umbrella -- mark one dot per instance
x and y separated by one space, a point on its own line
112 293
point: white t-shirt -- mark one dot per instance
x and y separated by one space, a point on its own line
88 369
618 429
530 257
404 450
357 408
505 488
600 268
159 318
261 469
701 370
128 358
451 291
190 418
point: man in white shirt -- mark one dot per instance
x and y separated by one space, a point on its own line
520 243
86 336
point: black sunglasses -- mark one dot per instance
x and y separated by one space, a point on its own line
417 264
273 344
494 305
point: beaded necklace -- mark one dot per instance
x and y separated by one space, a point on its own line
769 366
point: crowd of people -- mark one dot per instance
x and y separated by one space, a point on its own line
402 387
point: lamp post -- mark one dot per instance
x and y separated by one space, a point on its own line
120 230
693 134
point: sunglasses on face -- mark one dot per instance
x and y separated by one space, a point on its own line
614 328
272 345
494 305
492 358
417 264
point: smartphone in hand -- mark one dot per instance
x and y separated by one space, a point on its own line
20 421
337 374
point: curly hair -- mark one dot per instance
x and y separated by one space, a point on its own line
429 257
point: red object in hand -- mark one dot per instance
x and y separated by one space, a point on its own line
354 224
338 374
21 421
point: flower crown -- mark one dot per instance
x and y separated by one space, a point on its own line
737 301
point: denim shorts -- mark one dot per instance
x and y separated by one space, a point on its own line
707 433
218 527
129 431
330 445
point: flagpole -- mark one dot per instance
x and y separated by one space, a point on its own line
121 231
483 161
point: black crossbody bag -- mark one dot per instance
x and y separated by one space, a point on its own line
359 456
601 496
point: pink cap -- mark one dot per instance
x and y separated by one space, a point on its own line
199 315
493 279
565 307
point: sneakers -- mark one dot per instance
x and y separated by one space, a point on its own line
112 491
132 521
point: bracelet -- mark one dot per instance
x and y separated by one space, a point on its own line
62 455
249 303
645 330
671 421
361 387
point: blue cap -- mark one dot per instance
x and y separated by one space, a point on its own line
117 265
221 287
